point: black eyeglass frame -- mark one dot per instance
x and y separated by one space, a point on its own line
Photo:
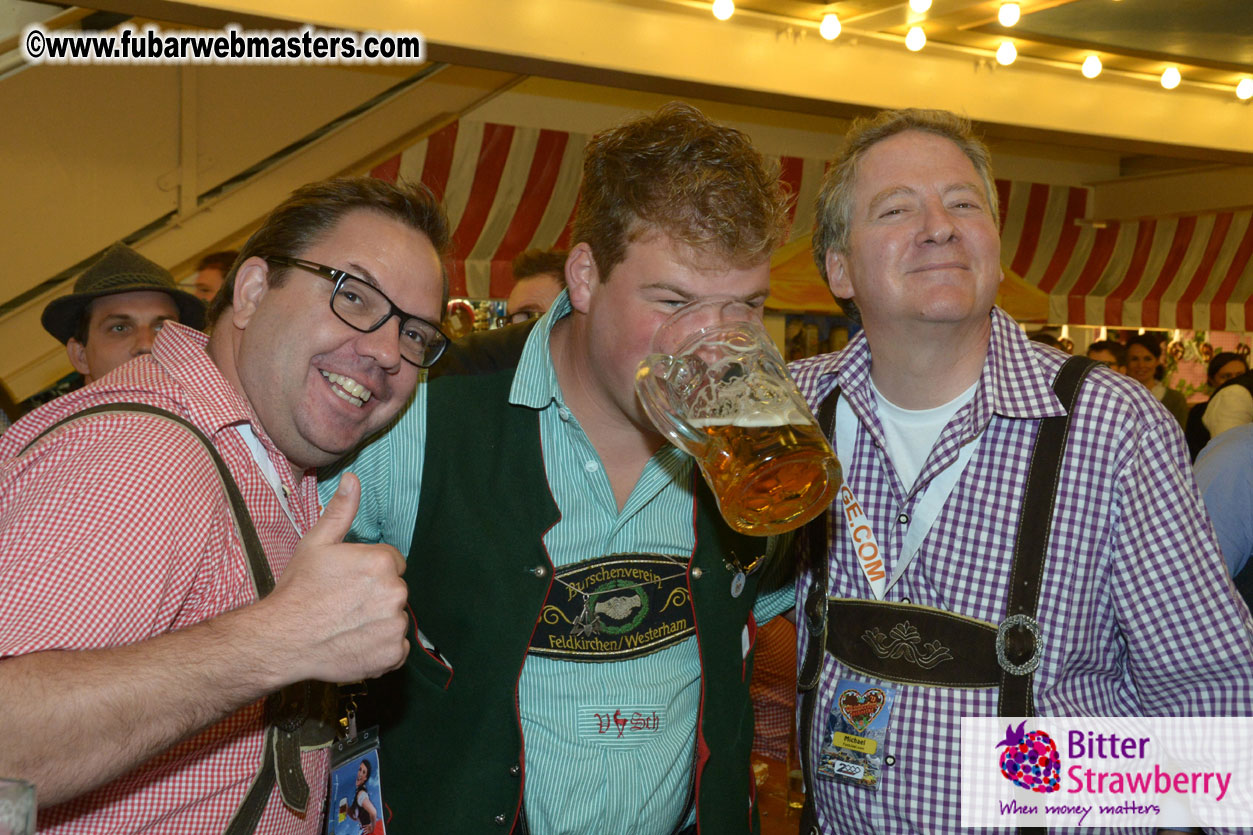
339 277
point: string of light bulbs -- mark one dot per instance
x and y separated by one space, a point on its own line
1008 14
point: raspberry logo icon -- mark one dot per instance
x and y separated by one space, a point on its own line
1030 759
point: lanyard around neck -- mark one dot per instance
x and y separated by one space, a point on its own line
268 472
930 502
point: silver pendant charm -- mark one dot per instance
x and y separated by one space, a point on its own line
586 623
737 584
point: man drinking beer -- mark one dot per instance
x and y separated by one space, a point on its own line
588 617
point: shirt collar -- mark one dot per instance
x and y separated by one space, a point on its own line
212 403
1014 383
1017 381
535 382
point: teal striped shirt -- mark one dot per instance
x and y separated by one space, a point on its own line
579 778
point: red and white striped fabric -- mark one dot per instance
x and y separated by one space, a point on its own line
511 188
1190 272
508 189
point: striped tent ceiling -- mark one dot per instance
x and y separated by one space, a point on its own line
508 189
1189 272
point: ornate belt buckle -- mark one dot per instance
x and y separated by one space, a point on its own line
1026 622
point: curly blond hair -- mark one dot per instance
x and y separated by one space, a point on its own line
704 185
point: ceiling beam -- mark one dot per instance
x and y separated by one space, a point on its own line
598 40
1207 189
31 360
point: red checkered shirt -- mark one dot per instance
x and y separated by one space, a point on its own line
115 529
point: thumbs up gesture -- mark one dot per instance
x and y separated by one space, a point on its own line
338 610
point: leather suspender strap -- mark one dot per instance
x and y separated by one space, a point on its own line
300 715
258 566
815 539
1017 643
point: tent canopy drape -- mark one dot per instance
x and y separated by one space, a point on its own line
510 188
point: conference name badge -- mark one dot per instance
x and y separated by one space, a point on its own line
853 743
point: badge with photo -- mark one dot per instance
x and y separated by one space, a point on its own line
852 747
355 800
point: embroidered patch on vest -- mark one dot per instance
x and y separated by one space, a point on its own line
615 607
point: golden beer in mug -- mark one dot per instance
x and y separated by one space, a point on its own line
718 389
768 477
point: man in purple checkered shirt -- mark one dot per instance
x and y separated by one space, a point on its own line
940 402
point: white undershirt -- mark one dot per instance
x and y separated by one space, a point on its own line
911 433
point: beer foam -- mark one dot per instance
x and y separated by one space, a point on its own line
744 421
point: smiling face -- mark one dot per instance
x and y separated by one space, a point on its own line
623 312
317 385
923 245
1142 365
120 327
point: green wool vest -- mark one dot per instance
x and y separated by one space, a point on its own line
452 757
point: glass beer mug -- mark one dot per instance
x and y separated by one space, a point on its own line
716 386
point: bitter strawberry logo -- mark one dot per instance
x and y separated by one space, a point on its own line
1030 760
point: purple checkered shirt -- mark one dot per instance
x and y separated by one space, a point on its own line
1136 609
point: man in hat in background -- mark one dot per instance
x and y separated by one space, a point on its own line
118 306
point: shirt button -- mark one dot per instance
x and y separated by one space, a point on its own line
889 760
696 572
500 820
903 518
564 414
591 466
539 570
515 770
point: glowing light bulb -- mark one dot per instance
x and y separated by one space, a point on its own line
723 9
1006 53
1009 14
1171 78
830 27
916 39
919 6
1091 67
1244 90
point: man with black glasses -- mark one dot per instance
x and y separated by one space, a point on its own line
173 612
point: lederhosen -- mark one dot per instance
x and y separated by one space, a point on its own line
301 716
984 654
